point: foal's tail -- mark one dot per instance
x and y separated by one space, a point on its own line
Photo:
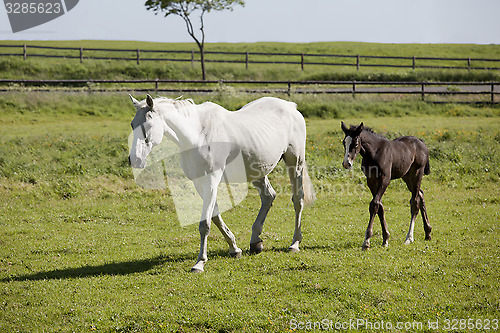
427 169
307 187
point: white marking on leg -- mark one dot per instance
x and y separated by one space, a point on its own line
409 237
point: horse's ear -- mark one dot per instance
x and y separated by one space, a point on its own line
344 127
135 102
359 129
150 102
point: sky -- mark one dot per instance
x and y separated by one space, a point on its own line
378 21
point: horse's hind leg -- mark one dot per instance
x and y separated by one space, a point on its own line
414 212
423 211
267 195
295 170
413 182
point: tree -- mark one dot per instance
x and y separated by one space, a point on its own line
185 9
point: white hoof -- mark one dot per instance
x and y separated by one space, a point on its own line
236 253
408 241
294 247
198 268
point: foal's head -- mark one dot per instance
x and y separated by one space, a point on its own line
352 143
148 131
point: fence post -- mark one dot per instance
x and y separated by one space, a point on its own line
302 60
423 91
492 92
246 61
414 62
192 59
468 63
156 85
25 54
289 92
138 57
357 62
81 55
354 89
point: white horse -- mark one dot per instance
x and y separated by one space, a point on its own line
263 132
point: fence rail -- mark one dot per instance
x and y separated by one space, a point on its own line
486 91
249 58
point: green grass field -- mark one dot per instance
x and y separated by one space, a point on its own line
59 68
84 249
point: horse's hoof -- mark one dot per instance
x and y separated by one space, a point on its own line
196 270
428 237
408 241
256 248
235 254
293 249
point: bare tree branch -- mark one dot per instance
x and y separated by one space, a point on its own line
184 9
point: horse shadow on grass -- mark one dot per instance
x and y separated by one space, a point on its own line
111 269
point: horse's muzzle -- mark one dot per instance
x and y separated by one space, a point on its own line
136 163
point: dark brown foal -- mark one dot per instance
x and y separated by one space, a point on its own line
406 157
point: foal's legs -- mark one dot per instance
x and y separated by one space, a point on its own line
423 211
267 195
417 203
377 187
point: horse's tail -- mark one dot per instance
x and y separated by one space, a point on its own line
307 187
427 169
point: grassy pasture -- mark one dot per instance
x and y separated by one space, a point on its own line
82 248
57 68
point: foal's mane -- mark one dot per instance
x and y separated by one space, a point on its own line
370 130
352 128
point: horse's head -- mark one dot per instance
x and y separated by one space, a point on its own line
352 143
148 130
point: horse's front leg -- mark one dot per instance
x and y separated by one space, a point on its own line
377 188
267 195
234 250
208 187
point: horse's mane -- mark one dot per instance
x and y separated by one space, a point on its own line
182 105
369 130
177 102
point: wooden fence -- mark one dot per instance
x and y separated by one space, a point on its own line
249 58
484 92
